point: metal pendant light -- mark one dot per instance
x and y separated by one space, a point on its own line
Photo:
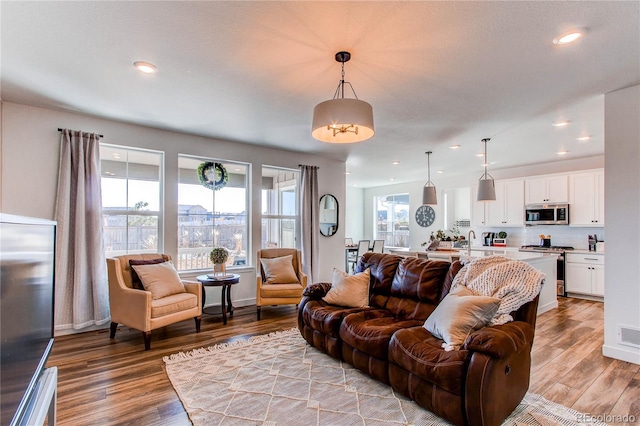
429 191
486 185
342 120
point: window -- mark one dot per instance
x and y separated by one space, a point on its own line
392 220
208 218
131 181
279 207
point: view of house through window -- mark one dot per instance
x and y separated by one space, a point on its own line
279 207
210 218
131 181
392 219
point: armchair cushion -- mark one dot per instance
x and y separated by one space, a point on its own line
174 303
279 270
460 313
135 279
160 279
351 291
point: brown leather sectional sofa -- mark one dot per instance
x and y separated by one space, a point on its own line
480 384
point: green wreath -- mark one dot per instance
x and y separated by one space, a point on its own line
213 175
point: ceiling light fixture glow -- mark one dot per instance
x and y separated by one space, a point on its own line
562 152
570 36
454 147
561 123
145 67
395 163
342 120
584 138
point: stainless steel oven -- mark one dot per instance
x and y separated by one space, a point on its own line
560 251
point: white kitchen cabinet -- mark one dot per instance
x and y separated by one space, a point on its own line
547 189
586 199
508 208
478 208
584 274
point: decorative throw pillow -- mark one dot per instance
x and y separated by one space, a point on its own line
279 270
460 313
135 279
349 290
161 279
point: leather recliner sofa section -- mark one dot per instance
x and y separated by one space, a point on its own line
479 384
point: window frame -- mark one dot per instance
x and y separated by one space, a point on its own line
295 184
130 211
247 204
393 233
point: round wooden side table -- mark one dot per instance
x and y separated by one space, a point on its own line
225 282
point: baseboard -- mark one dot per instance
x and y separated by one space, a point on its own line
628 355
547 307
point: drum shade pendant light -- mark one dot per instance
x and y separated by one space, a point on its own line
429 191
342 120
486 185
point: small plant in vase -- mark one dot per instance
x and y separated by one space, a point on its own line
218 257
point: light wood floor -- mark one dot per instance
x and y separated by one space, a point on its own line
107 382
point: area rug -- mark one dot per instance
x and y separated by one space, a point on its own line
278 379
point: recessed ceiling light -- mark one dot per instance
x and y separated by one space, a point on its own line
570 36
561 123
480 154
347 173
395 163
562 152
454 147
440 171
145 67
584 138
392 179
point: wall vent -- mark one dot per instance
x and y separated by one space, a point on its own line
629 336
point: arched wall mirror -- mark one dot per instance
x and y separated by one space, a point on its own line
328 215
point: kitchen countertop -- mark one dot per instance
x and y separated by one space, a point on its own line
585 251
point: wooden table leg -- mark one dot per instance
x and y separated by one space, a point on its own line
224 308
229 304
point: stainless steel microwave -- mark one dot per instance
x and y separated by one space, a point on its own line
546 214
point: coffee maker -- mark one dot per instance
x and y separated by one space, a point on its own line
487 238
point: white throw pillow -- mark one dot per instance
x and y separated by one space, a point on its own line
460 313
161 279
279 270
349 290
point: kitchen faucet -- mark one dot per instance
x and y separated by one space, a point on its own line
469 241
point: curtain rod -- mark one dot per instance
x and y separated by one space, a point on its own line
59 129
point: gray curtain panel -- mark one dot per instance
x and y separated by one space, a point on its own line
81 286
310 224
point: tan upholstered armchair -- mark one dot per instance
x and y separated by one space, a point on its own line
138 309
278 281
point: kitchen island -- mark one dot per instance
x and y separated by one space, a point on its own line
543 262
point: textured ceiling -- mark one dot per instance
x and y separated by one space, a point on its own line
436 73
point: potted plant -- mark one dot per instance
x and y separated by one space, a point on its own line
218 257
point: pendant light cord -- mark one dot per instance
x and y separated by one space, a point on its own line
429 168
485 174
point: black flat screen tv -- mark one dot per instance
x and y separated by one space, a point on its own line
27 254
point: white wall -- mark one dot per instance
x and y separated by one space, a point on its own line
354 226
622 210
29 171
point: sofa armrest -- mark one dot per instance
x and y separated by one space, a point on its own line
317 290
500 341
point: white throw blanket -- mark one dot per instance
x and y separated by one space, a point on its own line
512 281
